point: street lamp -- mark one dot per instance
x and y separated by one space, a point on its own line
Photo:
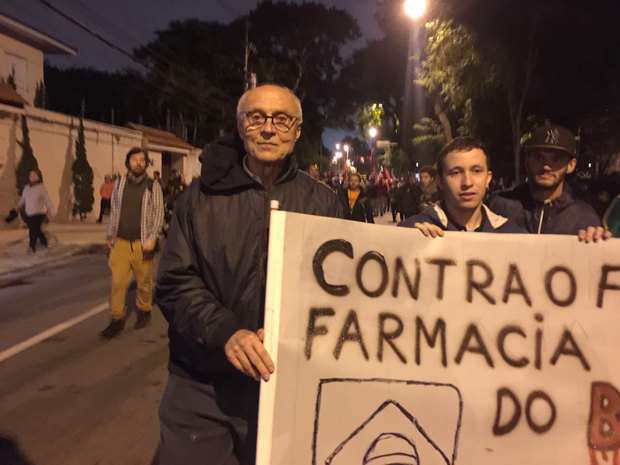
337 146
415 9
346 150
372 132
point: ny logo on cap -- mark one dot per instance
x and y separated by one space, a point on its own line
553 136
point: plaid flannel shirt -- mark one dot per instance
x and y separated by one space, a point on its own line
152 218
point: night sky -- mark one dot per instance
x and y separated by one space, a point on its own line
129 23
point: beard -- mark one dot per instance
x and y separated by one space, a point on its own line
548 186
137 172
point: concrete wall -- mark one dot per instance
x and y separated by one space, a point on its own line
52 136
28 64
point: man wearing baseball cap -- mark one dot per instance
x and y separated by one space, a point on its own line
544 204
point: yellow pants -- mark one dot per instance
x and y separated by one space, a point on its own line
126 261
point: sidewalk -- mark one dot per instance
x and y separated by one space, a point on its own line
66 240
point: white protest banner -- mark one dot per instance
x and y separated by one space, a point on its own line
393 348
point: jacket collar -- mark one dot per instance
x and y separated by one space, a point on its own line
489 218
524 192
222 166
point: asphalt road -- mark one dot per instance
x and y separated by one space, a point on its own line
73 398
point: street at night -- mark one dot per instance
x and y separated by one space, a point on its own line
309 232
74 398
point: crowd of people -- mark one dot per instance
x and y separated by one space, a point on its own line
551 201
211 276
212 272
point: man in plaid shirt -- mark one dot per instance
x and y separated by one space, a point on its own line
136 219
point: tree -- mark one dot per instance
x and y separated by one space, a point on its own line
455 74
370 116
40 96
397 160
83 191
11 80
27 161
429 140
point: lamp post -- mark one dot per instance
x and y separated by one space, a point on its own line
415 9
346 151
372 132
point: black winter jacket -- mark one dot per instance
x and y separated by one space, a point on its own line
212 272
564 215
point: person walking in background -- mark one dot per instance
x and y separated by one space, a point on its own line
356 202
136 219
407 198
37 204
427 192
393 196
106 194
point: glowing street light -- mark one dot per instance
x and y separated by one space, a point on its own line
346 148
372 132
337 146
415 8
338 155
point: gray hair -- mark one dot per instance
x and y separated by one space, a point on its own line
244 97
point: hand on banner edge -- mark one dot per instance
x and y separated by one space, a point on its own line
593 234
429 229
245 351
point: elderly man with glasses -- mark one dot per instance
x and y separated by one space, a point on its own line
211 281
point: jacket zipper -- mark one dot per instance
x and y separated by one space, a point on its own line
542 215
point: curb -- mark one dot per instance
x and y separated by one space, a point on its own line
16 276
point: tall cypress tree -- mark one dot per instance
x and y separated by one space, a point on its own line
83 191
27 162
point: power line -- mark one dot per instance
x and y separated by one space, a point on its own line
89 30
190 102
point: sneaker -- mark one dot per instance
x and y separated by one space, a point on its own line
115 327
30 252
143 319
46 246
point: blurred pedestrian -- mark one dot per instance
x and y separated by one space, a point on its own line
136 219
393 196
356 202
426 190
408 198
106 194
36 204
313 172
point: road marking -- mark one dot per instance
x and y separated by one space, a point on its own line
28 343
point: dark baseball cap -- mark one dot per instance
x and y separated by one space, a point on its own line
553 138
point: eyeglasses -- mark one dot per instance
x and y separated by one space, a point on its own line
256 119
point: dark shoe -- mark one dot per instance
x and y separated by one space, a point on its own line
115 327
30 252
143 319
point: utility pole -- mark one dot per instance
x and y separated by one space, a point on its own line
249 78
246 71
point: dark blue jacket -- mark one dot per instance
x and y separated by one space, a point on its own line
491 223
564 215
